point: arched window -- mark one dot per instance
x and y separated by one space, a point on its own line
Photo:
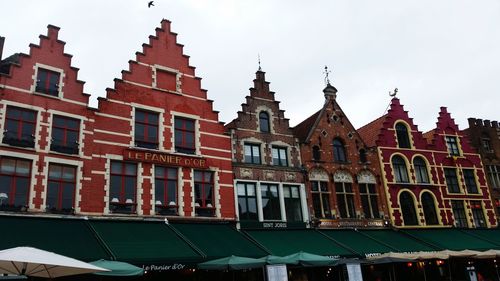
264 122
362 155
408 208
339 151
399 168
402 135
316 153
420 170
429 209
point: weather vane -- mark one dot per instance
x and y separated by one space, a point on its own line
258 57
327 72
393 94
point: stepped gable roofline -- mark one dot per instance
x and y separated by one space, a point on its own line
473 122
369 133
429 136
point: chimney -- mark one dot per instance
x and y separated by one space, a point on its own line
2 40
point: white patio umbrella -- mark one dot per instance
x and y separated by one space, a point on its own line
30 261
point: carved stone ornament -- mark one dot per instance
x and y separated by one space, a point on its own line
269 175
319 175
342 176
366 177
290 176
246 173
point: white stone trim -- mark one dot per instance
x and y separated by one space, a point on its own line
197 135
80 131
111 143
34 172
62 75
111 133
176 72
113 116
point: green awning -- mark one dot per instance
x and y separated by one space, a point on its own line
360 243
68 237
290 241
491 235
141 242
400 242
219 240
450 239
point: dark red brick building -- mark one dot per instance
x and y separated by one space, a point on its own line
484 136
266 162
343 182
154 145
432 179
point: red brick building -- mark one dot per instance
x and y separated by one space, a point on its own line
432 179
343 181
154 145
484 137
266 162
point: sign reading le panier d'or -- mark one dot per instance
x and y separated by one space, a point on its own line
164 158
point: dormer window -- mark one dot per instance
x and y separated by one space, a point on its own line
264 122
402 136
452 144
47 82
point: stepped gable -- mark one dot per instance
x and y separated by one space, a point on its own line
447 126
162 67
48 54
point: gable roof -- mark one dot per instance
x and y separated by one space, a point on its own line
369 132
304 128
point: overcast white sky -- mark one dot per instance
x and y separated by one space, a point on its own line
438 53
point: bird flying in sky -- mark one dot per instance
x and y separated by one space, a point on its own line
150 3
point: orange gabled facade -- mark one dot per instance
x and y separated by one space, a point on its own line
154 145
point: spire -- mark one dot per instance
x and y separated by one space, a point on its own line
329 90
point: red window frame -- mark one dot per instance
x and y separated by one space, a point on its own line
145 141
61 182
124 177
66 128
166 178
203 184
181 144
14 176
20 121
44 85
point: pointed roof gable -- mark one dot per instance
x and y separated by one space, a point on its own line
303 130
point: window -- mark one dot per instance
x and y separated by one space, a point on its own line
270 201
321 199
122 192
420 170
15 175
293 207
478 214
402 136
247 201
451 180
280 157
470 181
362 156
20 126
345 199
485 142
146 129
369 200
408 208
339 151
65 134
47 82
429 208
264 122
459 213
165 191
399 168
494 175
316 153
451 143
61 188
184 135
252 153
204 193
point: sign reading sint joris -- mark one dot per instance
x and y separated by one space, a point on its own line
164 158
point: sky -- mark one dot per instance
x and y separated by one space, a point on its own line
437 53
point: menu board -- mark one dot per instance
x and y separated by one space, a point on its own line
354 272
276 272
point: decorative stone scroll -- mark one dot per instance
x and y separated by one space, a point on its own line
366 177
342 176
318 175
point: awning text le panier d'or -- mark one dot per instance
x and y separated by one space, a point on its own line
164 158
